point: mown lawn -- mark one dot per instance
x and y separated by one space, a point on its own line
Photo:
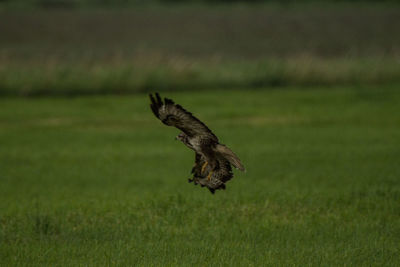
98 180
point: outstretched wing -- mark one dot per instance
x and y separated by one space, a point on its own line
172 114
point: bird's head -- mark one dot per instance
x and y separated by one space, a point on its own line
181 137
184 139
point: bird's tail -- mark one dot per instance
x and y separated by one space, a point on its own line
230 156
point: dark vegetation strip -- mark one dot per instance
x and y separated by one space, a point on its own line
66 52
73 4
70 81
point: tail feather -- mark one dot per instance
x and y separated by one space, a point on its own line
230 156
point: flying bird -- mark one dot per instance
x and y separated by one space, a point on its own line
212 167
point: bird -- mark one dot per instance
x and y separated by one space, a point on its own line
213 160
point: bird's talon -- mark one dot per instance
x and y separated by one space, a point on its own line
204 167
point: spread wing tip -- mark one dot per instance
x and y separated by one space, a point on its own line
168 101
157 100
155 110
156 103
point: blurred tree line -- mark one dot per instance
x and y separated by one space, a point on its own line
122 3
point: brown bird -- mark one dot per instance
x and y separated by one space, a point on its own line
213 160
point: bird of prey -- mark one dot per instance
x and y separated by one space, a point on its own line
213 160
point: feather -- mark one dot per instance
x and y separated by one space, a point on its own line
159 101
168 101
230 156
220 175
175 115
154 106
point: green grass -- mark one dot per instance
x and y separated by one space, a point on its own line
99 181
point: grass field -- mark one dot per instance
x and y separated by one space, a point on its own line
307 95
99 181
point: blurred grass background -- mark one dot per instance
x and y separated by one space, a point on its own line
72 51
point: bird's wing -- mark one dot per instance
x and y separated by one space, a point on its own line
172 114
228 154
